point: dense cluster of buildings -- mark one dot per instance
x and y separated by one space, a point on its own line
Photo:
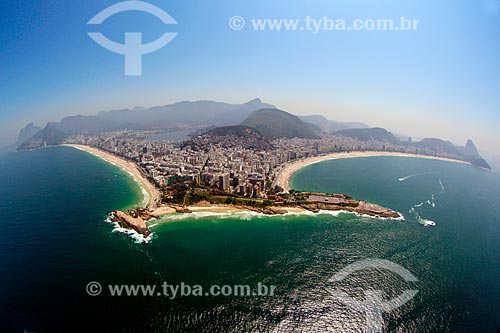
242 165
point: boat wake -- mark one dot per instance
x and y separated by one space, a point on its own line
415 175
430 202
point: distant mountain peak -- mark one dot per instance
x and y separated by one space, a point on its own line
254 101
471 149
470 145
27 132
468 153
49 136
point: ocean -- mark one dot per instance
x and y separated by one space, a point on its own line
55 240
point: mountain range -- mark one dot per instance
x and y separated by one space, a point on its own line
195 115
331 126
270 122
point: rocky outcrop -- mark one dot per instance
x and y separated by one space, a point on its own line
362 207
26 133
143 213
203 203
181 209
267 210
49 136
134 219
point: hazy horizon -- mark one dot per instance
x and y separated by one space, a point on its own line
438 81
342 118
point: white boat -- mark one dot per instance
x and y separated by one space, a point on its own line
429 223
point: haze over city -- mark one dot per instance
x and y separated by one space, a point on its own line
438 81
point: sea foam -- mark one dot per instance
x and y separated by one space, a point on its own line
137 237
249 215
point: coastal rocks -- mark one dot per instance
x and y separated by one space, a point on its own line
362 207
181 209
143 213
133 220
163 210
274 211
203 203
375 210
268 210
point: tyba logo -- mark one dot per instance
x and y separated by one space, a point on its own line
133 49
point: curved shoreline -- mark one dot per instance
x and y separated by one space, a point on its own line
131 168
284 176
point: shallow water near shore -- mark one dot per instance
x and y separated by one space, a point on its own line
55 241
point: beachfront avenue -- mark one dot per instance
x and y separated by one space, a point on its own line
172 291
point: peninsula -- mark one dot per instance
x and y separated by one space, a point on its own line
200 198
240 167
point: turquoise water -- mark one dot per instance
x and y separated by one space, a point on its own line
54 241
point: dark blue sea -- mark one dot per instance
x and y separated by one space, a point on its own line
54 240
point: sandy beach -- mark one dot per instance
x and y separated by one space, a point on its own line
164 211
153 193
284 176
282 179
128 166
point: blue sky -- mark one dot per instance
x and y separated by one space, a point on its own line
441 80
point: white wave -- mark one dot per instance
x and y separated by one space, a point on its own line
145 194
339 212
399 218
244 215
249 215
137 237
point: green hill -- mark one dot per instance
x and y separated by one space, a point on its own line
273 123
367 134
238 130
